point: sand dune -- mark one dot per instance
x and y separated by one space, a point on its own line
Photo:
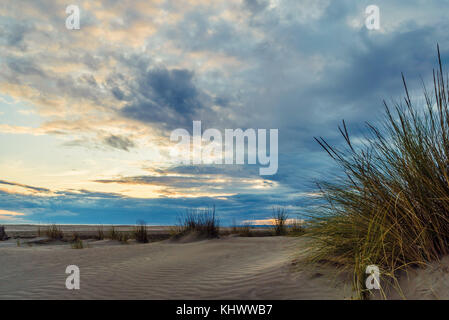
429 283
227 268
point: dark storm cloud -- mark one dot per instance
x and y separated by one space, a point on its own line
375 73
168 97
119 142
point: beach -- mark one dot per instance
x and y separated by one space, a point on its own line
226 268
189 268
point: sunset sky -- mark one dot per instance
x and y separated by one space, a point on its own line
86 115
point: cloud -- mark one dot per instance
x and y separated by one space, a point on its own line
197 181
4 213
118 142
35 189
9 216
272 222
12 34
256 6
91 207
161 96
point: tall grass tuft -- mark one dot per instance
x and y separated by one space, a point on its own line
100 233
3 235
280 217
201 221
243 230
54 232
140 232
390 207
77 244
114 234
296 228
123 237
75 236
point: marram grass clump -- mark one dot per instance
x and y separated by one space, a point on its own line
390 208
140 232
243 230
202 222
280 217
113 234
100 233
54 232
77 244
296 228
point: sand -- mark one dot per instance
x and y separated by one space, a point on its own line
225 268
428 283
230 267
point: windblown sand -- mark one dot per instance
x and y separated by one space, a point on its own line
231 267
226 268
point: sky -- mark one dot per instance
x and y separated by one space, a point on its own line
86 115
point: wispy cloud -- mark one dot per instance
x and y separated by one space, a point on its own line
24 186
8 216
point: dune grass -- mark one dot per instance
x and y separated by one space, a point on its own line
75 236
100 233
296 228
391 206
280 217
123 237
3 235
140 232
242 230
77 244
54 232
113 234
202 221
